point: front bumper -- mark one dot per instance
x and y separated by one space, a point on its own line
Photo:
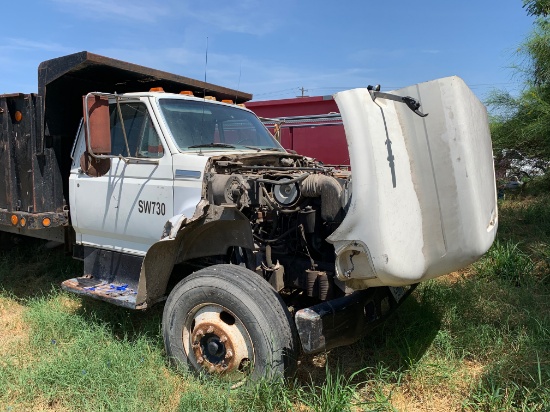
343 321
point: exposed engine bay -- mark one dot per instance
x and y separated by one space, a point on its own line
293 203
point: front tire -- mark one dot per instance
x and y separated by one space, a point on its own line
226 320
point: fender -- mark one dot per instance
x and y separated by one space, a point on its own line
211 231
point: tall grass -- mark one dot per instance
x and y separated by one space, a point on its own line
476 340
507 262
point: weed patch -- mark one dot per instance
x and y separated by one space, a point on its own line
506 261
474 340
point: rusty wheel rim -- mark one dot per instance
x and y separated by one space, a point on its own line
218 342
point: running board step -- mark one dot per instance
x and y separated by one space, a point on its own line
116 293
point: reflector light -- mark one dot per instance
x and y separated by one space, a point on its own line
241 105
18 116
14 220
23 222
156 89
187 92
46 222
209 98
229 101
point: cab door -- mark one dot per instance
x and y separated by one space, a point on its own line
126 208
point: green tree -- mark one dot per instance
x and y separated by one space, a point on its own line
537 7
520 125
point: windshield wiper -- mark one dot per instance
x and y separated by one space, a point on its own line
271 149
211 145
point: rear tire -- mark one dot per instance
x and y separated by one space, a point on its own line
226 320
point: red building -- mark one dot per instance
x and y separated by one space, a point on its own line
323 138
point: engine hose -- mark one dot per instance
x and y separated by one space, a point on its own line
328 189
284 182
271 241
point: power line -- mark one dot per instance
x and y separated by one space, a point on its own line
277 91
302 90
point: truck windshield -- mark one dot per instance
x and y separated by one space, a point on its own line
201 124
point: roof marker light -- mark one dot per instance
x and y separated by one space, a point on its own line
187 92
18 116
228 101
209 98
156 89
46 222
14 220
23 222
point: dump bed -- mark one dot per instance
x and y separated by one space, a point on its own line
30 180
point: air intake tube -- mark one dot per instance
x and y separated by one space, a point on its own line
330 191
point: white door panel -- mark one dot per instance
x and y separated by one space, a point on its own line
131 204
127 208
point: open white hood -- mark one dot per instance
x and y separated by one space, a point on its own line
424 194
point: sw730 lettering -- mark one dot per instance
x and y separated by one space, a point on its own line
151 208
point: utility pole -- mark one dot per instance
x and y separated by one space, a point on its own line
303 91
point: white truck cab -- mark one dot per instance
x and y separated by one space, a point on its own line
157 174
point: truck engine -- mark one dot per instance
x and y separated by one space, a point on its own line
293 204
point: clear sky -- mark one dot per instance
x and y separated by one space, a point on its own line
273 48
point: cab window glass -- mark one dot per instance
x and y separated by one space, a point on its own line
239 131
143 140
202 125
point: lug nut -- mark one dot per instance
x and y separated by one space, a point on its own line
223 339
229 354
200 360
210 329
199 332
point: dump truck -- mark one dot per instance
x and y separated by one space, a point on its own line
171 192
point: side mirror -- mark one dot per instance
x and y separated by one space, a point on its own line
97 124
